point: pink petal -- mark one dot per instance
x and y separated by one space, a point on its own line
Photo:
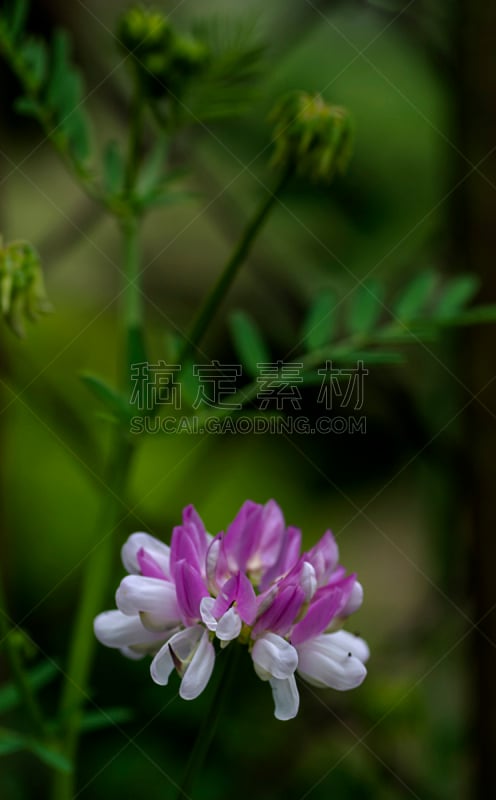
281 614
190 589
320 612
149 568
323 557
159 551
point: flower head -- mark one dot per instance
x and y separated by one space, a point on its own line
250 584
311 136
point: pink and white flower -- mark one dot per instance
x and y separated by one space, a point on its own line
251 584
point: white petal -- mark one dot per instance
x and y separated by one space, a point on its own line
183 644
308 581
355 600
229 626
273 657
159 551
286 698
157 623
134 655
199 671
325 662
352 644
151 595
206 606
162 665
211 564
115 629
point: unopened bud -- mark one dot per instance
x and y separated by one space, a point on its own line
22 288
142 30
164 60
311 137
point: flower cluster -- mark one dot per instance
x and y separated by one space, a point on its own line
22 289
249 584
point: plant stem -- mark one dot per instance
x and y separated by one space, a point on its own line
135 137
230 271
18 673
132 308
99 566
210 722
93 594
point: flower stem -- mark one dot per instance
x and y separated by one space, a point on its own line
210 722
230 271
99 565
135 138
132 309
18 673
93 592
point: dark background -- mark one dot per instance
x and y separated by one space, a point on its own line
411 502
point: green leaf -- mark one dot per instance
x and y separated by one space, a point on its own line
27 106
473 316
58 67
172 342
113 168
189 384
77 129
367 356
104 718
70 92
397 333
248 342
38 677
413 300
165 196
116 403
320 322
152 170
456 295
51 757
11 741
350 354
136 346
17 12
35 57
365 308
231 77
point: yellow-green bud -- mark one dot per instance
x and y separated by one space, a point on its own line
311 137
22 288
163 59
142 30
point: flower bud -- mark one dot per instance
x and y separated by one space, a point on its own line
22 288
163 59
311 137
142 30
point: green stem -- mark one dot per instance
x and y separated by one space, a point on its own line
132 307
230 271
135 138
210 722
99 567
93 594
18 673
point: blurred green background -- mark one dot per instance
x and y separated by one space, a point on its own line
409 502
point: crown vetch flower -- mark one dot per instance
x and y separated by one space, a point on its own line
250 584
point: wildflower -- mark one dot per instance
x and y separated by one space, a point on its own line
251 584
